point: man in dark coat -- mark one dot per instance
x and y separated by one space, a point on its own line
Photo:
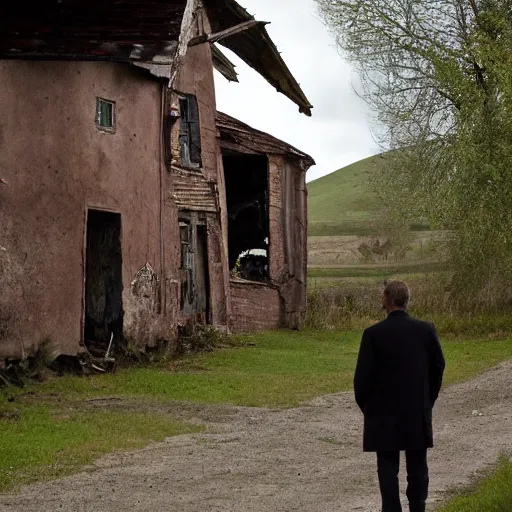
397 381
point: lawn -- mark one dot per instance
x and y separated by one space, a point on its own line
493 494
48 430
281 369
46 441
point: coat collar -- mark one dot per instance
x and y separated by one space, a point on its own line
398 312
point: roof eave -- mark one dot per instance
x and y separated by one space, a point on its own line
255 47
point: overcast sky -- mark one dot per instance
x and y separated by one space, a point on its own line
339 131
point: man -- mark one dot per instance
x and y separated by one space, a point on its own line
397 381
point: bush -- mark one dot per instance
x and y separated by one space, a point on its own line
355 303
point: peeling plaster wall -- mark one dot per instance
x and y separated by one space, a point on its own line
57 163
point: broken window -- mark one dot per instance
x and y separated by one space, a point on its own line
246 178
105 115
190 135
194 277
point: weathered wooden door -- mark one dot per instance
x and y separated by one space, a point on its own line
194 272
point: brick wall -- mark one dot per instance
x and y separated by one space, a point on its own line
254 307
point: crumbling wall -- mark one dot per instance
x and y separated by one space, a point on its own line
282 302
198 189
294 214
57 164
254 307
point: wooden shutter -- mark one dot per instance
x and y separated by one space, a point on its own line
194 130
184 132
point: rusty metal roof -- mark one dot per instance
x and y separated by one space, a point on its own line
238 136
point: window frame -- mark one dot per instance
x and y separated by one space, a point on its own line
189 136
109 128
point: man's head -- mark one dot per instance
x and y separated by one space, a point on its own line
396 295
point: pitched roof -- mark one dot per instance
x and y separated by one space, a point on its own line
136 31
82 29
236 135
256 49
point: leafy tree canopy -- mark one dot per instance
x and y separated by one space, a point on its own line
438 75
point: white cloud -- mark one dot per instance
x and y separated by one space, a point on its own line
339 131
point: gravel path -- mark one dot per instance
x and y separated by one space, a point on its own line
306 459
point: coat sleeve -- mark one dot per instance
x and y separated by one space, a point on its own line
436 365
365 369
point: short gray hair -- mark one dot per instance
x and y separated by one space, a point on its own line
397 293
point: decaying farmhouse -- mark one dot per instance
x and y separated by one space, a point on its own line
128 204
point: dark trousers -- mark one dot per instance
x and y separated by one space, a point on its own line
388 464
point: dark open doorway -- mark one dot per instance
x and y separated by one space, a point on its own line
195 280
247 195
103 281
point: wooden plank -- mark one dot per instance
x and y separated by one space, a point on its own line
213 38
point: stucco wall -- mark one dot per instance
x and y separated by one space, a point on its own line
57 164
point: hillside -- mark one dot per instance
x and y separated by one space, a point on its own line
342 203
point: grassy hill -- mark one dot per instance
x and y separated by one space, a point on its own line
342 203
344 214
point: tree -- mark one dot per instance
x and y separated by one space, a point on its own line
438 75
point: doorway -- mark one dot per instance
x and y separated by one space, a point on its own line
194 271
103 281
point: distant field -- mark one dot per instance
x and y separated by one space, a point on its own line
426 247
342 203
374 271
345 238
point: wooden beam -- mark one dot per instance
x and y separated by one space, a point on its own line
223 65
213 38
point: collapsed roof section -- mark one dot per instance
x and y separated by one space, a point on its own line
240 137
143 31
256 49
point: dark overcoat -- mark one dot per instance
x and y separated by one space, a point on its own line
397 381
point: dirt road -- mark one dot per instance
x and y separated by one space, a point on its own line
306 459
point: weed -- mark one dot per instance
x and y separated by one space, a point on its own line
195 338
354 302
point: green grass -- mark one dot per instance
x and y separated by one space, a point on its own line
374 271
47 442
467 358
280 370
493 494
341 203
49 430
